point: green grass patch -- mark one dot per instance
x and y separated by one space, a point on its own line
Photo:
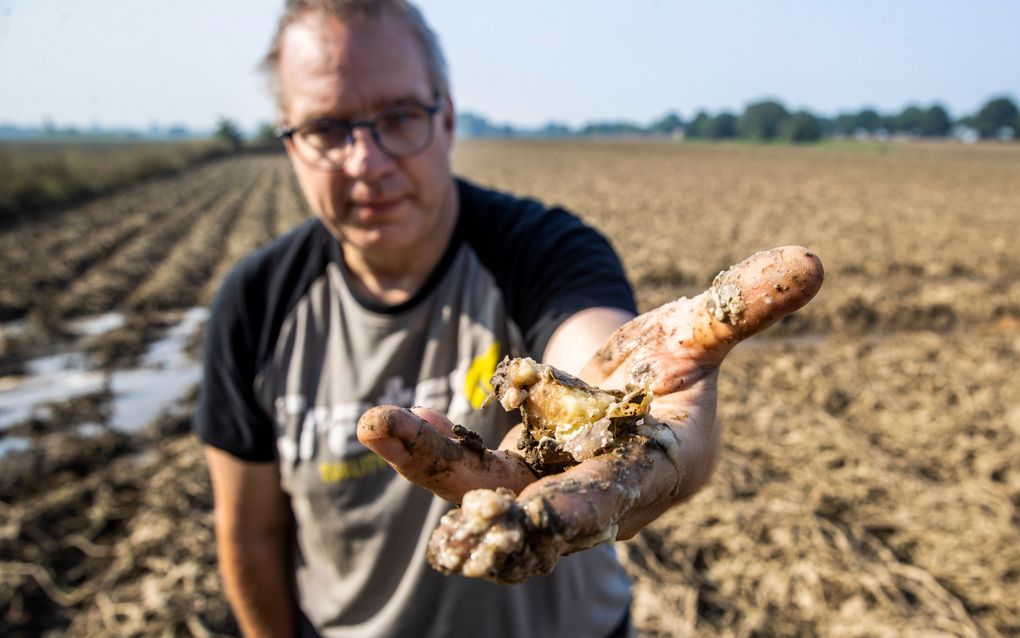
39 175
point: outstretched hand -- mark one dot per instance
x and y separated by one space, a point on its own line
676 351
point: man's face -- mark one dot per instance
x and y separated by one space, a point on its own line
351 71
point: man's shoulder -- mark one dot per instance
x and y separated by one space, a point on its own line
488 206
292 248
547 263
267 280
501 226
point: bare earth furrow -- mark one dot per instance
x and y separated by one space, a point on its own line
178 278
254 226
59 234
290 206
150 200
41 264
103 289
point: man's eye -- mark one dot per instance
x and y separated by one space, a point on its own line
397 119
325 134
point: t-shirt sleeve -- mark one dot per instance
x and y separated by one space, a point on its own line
228 415
574 268
547 262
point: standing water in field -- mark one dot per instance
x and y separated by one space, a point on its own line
166 374
138 394
57 377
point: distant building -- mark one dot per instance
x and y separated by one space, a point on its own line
965 134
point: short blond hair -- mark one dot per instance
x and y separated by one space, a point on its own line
350 11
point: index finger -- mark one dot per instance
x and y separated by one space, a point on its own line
754 294
416 445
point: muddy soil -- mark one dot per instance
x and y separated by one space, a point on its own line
870 479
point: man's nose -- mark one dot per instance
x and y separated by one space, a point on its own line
365 159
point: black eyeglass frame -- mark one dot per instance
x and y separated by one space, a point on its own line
288 132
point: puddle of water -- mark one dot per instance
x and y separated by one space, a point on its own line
55 378
166 373
98 325
12 444
140 394
89 430
12 329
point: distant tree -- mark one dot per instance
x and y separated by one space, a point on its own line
868 120
700 127
844 124
722 126
908 121
801 127
826 125
666 125
762 120
998 113
265 135
611 129
471 125
229 133
474 125
554 129
935 122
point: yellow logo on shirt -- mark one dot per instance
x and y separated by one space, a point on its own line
336 471
476 381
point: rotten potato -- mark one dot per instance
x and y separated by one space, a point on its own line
566 420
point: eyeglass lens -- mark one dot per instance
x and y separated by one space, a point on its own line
400 131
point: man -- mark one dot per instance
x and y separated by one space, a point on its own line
407 290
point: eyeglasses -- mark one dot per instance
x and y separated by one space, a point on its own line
400 131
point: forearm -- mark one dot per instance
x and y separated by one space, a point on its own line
258 582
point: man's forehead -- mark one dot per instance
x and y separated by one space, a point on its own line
350 54
318 41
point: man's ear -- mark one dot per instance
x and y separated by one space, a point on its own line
281 122
449 116
288 145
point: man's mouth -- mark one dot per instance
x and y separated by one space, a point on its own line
377 206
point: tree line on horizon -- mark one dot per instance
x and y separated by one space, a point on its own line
770 121
762 121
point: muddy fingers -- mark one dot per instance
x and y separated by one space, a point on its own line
757 292
492 536
660 347
498 537
424 447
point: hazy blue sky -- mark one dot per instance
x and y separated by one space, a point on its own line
135 62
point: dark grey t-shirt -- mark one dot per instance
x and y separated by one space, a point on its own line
293 358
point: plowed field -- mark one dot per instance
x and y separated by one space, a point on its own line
870 480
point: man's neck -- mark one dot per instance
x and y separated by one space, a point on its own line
393 277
